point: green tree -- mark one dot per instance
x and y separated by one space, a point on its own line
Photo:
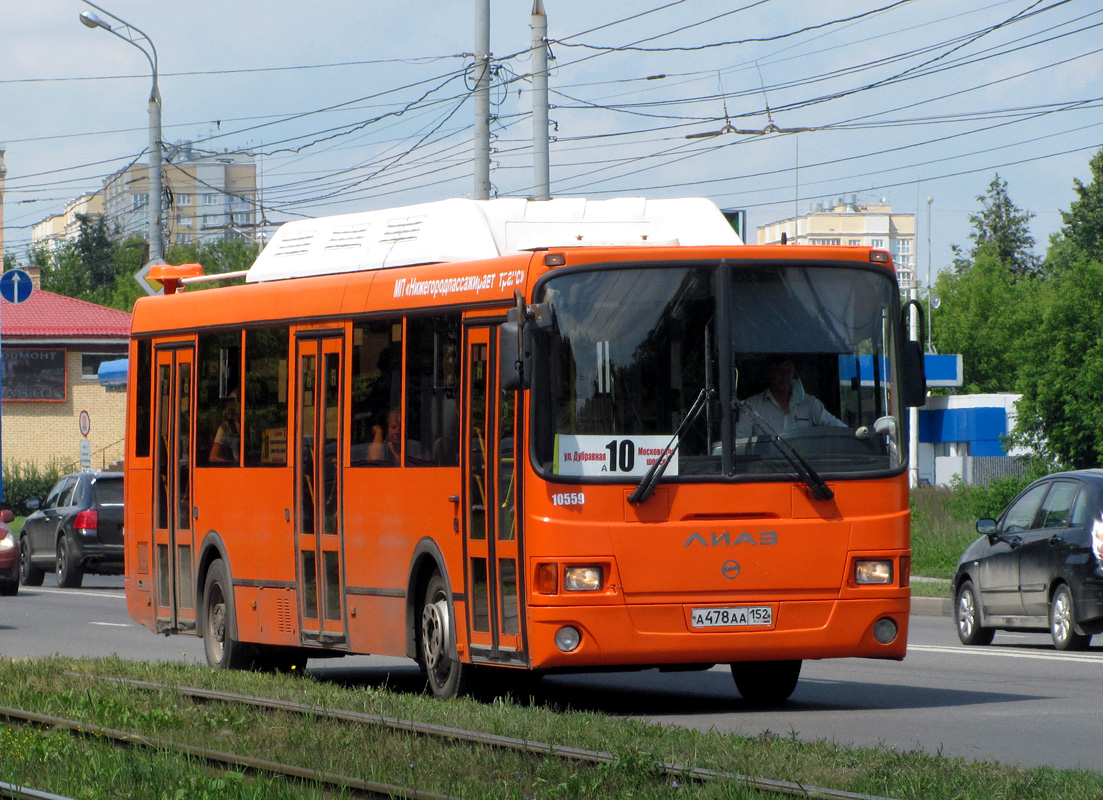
1061 377
217 257
1083 227
1003 230
981 315
1061 374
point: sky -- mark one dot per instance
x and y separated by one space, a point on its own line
351 105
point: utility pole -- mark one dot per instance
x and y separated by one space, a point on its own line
540 159
482 99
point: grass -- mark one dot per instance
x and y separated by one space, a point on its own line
940 533
944 521
54 761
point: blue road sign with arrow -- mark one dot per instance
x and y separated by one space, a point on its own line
15 285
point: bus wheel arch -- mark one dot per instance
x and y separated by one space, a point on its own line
212 549
434 625
219 621
427 560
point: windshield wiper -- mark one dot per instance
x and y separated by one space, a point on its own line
647 485
820 490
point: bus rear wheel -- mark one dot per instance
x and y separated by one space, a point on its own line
446 675
766 684
220 643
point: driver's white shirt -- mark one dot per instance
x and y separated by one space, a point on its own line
805 411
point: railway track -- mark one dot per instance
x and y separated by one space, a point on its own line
218 758
12 791
668 770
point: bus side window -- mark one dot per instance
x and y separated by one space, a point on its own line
143 414
266 370
376 429
432 391
218 400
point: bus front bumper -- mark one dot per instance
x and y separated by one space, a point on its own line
657 635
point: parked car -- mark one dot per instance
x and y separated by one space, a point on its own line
1039 567
9 556
78 529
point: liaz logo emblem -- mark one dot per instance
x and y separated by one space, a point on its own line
726 539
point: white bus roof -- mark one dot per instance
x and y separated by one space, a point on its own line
465 230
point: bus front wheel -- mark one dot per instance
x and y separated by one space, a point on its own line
447 676
220 642
765 684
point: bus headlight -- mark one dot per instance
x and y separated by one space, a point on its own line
879 571
582 579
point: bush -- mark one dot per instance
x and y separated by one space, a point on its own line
978 502
944 520
25 480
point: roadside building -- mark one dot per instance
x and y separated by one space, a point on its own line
849 222
52 350
964 437
207 196
50 232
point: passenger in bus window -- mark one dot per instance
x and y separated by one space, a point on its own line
385 445
784 404
227 440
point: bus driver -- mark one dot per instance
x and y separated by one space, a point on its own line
784 404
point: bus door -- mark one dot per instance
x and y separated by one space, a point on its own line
491 540
173 537
318 456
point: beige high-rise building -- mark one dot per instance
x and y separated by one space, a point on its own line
849 222
65 226
207 196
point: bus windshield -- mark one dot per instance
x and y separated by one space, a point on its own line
790 357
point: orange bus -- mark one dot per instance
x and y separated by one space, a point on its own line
561 436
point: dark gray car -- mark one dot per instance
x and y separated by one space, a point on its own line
1039 567
78 529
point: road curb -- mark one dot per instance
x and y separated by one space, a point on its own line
931 606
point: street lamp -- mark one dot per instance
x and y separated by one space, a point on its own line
132 36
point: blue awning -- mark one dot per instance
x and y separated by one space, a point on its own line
113 373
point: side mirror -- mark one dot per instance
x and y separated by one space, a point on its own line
33 503
986 527
7 515
914 375
913 372
515 344
514 357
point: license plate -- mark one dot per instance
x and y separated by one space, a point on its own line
739 616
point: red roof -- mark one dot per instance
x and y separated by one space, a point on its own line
45 315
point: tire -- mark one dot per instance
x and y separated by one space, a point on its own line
446 676
219 619
766 684
29 574
9 588
967 617
69 575
1062 622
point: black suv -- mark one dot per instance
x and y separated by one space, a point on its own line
78 529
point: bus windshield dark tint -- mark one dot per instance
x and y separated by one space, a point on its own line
799 352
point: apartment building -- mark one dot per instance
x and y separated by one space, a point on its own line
206 196
849 222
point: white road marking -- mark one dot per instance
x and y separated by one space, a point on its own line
111 624
1000 652
78 593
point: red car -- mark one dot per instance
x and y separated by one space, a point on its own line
9 556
